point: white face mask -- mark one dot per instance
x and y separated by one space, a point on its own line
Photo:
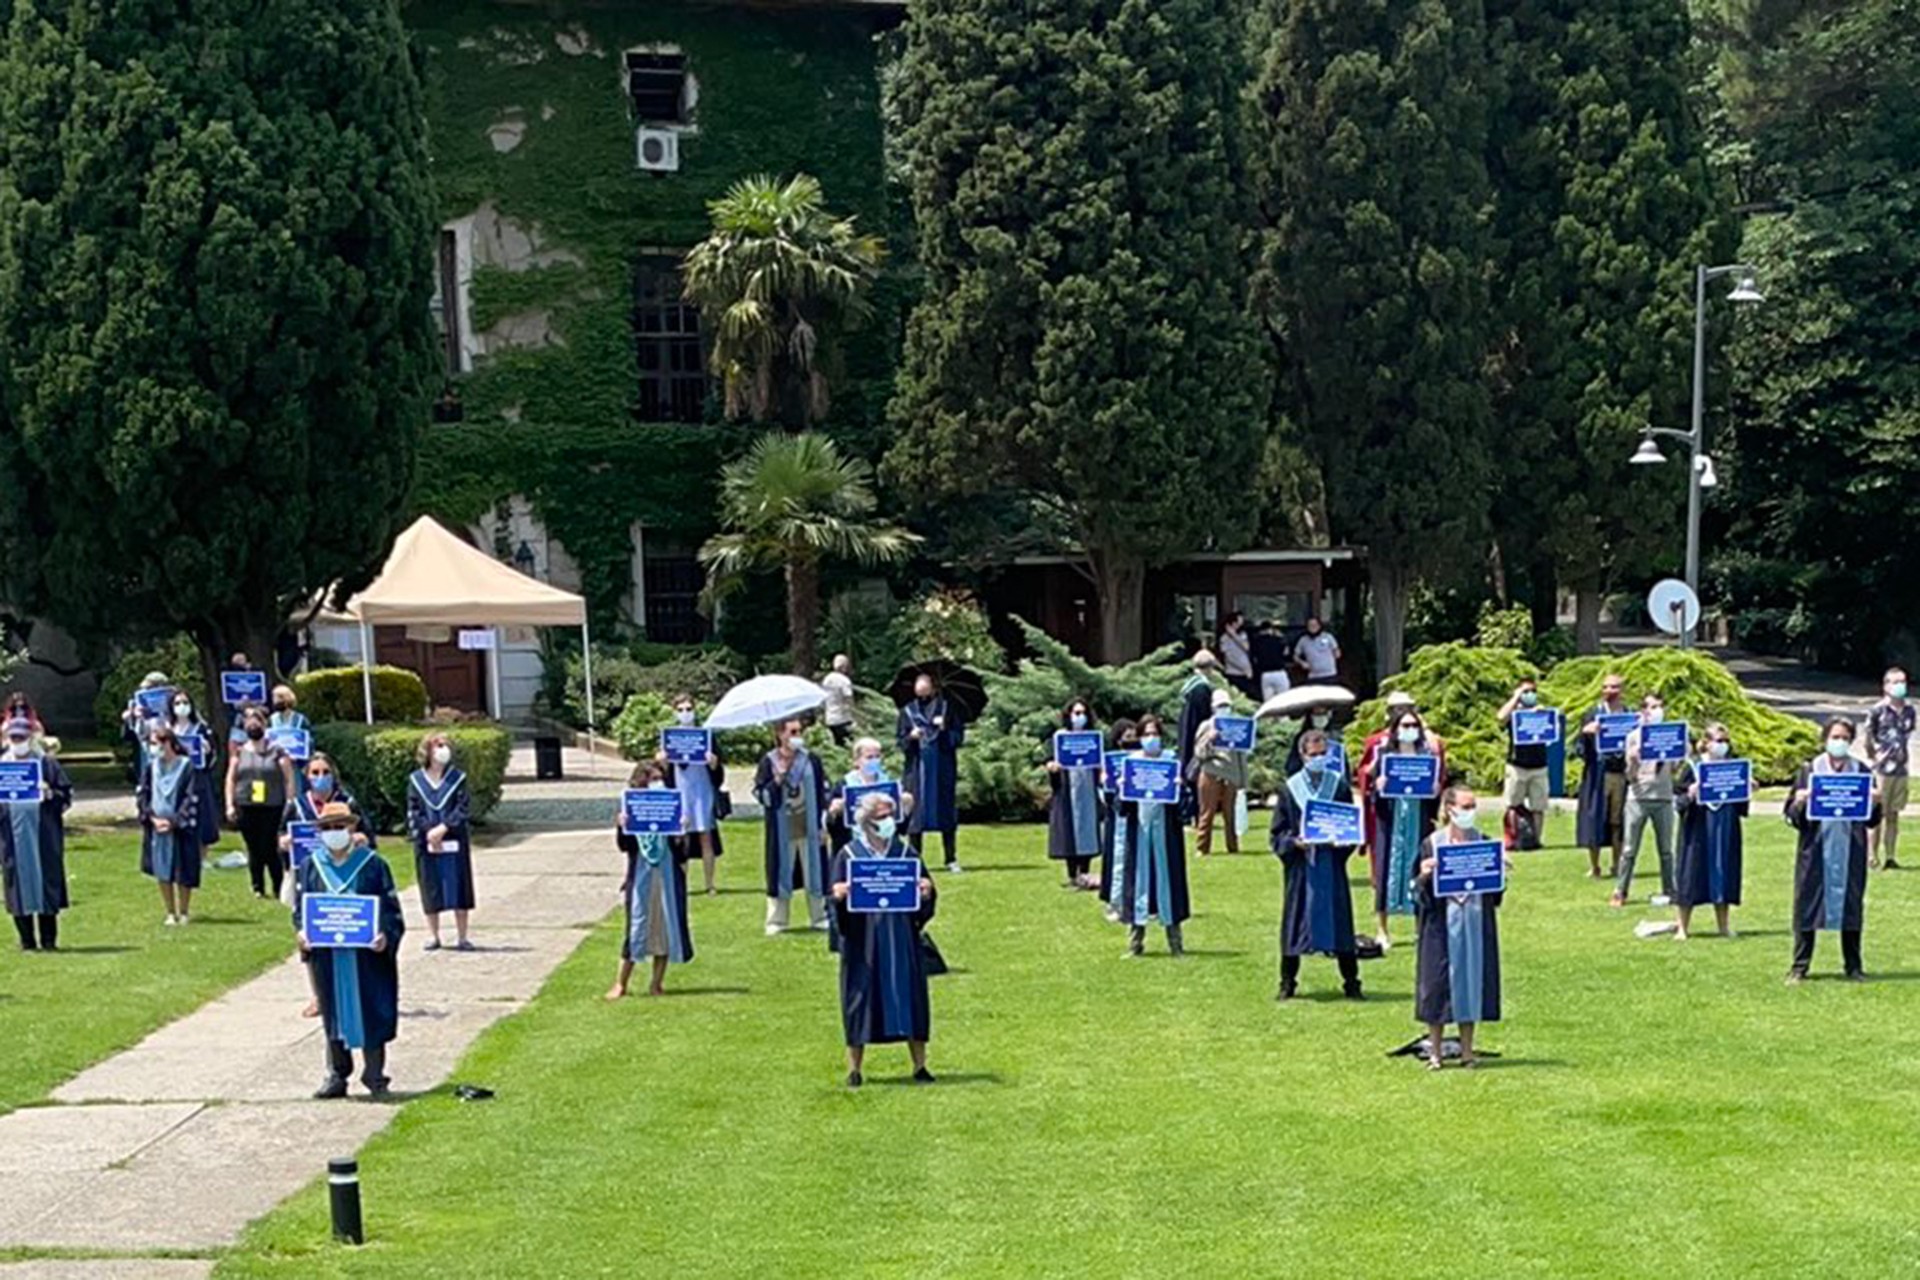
1718 750
18 748
796 742
1409 736
658 784
1319 719
884 828
443 755
684 717
336 838
1465 818
181 710
1656 714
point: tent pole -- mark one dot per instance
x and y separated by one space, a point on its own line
586 653
493 672
366 668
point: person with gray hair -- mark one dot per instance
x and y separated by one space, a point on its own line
840 699
883 973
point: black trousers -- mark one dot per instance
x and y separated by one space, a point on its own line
1803 949
340 1063
919 840
1077 867
49 939
1349 969
260 828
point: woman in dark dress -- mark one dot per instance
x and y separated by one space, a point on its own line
1711 845
168 800
1153 884
33 845
437 808
189 729
1074 812
1458 961
883 976
1830 862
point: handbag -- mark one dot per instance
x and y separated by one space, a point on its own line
722 804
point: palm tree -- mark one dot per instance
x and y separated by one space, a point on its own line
792 502
776 269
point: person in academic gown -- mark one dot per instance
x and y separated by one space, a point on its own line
1153 885
1316 913
168 799
1711 845
655 892
438 804
1457 976
1830 862
883 976
1318 719
359 987
1073 813
700 790
187 723
1600 818
1399 825
930 732
1125 736
791 787
33 846
1196 708
321 786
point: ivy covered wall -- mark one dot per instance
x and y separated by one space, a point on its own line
530 128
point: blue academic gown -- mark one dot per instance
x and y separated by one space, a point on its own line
446 879
1593 828
1396 831
358 989
173 858
1711 847
883 972
33 847
1316 913
1457 954
1075 813
783 874
1830 861
931 771
699 788
207 800
655 892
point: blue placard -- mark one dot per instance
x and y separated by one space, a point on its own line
1336 754
238 688
20 781
883 885
1477 866
654 811
1330 822
1078 749
195 745
1611 736
1840 797
1234 733
851 795
1112 761
683 745
154 703
339 919
304 839
1155 779
297 743
1408 776
1725 781
1539 727
1663 742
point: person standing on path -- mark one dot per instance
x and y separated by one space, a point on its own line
33 846
168 801
1890 728
839 711
1830 861
1601 817
259 783
359 987
1649 804
438 805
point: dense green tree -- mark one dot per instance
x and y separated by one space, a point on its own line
1083 334
1605 205
215 347
1377 266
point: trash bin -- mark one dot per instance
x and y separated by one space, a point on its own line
546 758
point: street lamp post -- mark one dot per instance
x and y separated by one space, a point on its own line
1700 474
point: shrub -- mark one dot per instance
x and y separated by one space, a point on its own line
339 693
948 624
376 760
178 658
1552 647
1509 628
664 671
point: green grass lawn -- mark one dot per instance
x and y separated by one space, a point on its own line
120 973
1658 1109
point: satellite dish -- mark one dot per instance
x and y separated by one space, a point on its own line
1673 606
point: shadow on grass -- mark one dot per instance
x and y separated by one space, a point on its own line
226 920
96 949
708 991
1333 995
1520 1064
941 1079
1202 953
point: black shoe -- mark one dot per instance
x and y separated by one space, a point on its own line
1287 991
854 1080
1353 992
1858 975
1176 945
922 1076
379 1089
1890 865
335 1087
1136 940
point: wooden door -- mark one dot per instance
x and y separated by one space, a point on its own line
454 677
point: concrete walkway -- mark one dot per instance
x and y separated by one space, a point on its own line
179 1142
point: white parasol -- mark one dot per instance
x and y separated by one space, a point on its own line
765 700
1300 699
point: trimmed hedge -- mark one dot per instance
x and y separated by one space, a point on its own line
338 693
376 760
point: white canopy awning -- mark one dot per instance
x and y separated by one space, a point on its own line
432 576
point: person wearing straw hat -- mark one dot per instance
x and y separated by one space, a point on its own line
883 973
359 988
33 846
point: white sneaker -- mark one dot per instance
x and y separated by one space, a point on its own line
1386 943
774 931
955 868
183 919
1113 917
171 921
1659 900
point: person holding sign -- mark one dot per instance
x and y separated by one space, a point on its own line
1649 777
792 790
190 731
33 840
1711 844
1218 773
1316 913
1601 816
1830 862
359 986
1152 882
168 801
1526 776
437 808
869 770
1403 817
323 787
655 891
699 783
259 784
1073 814
1458 957
883 974
930 733
1318 718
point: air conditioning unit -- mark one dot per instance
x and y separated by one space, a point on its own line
657 150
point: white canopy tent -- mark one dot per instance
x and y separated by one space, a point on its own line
433 578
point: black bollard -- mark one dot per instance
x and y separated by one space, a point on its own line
343 1189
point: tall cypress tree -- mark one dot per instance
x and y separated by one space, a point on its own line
1378 261
1084 333
215 346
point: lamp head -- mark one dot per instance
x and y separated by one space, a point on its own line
1746 289
1648 454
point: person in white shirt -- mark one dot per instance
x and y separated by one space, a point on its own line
1236 654
839 687
1318 652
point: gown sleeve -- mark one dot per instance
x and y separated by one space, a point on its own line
142 796
1284 834
764 789
393 921
59 786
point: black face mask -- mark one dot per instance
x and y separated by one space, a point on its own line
256 732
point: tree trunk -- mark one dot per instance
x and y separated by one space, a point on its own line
1544 588
1389 582
1586 617
1122 581
218 640
803 614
